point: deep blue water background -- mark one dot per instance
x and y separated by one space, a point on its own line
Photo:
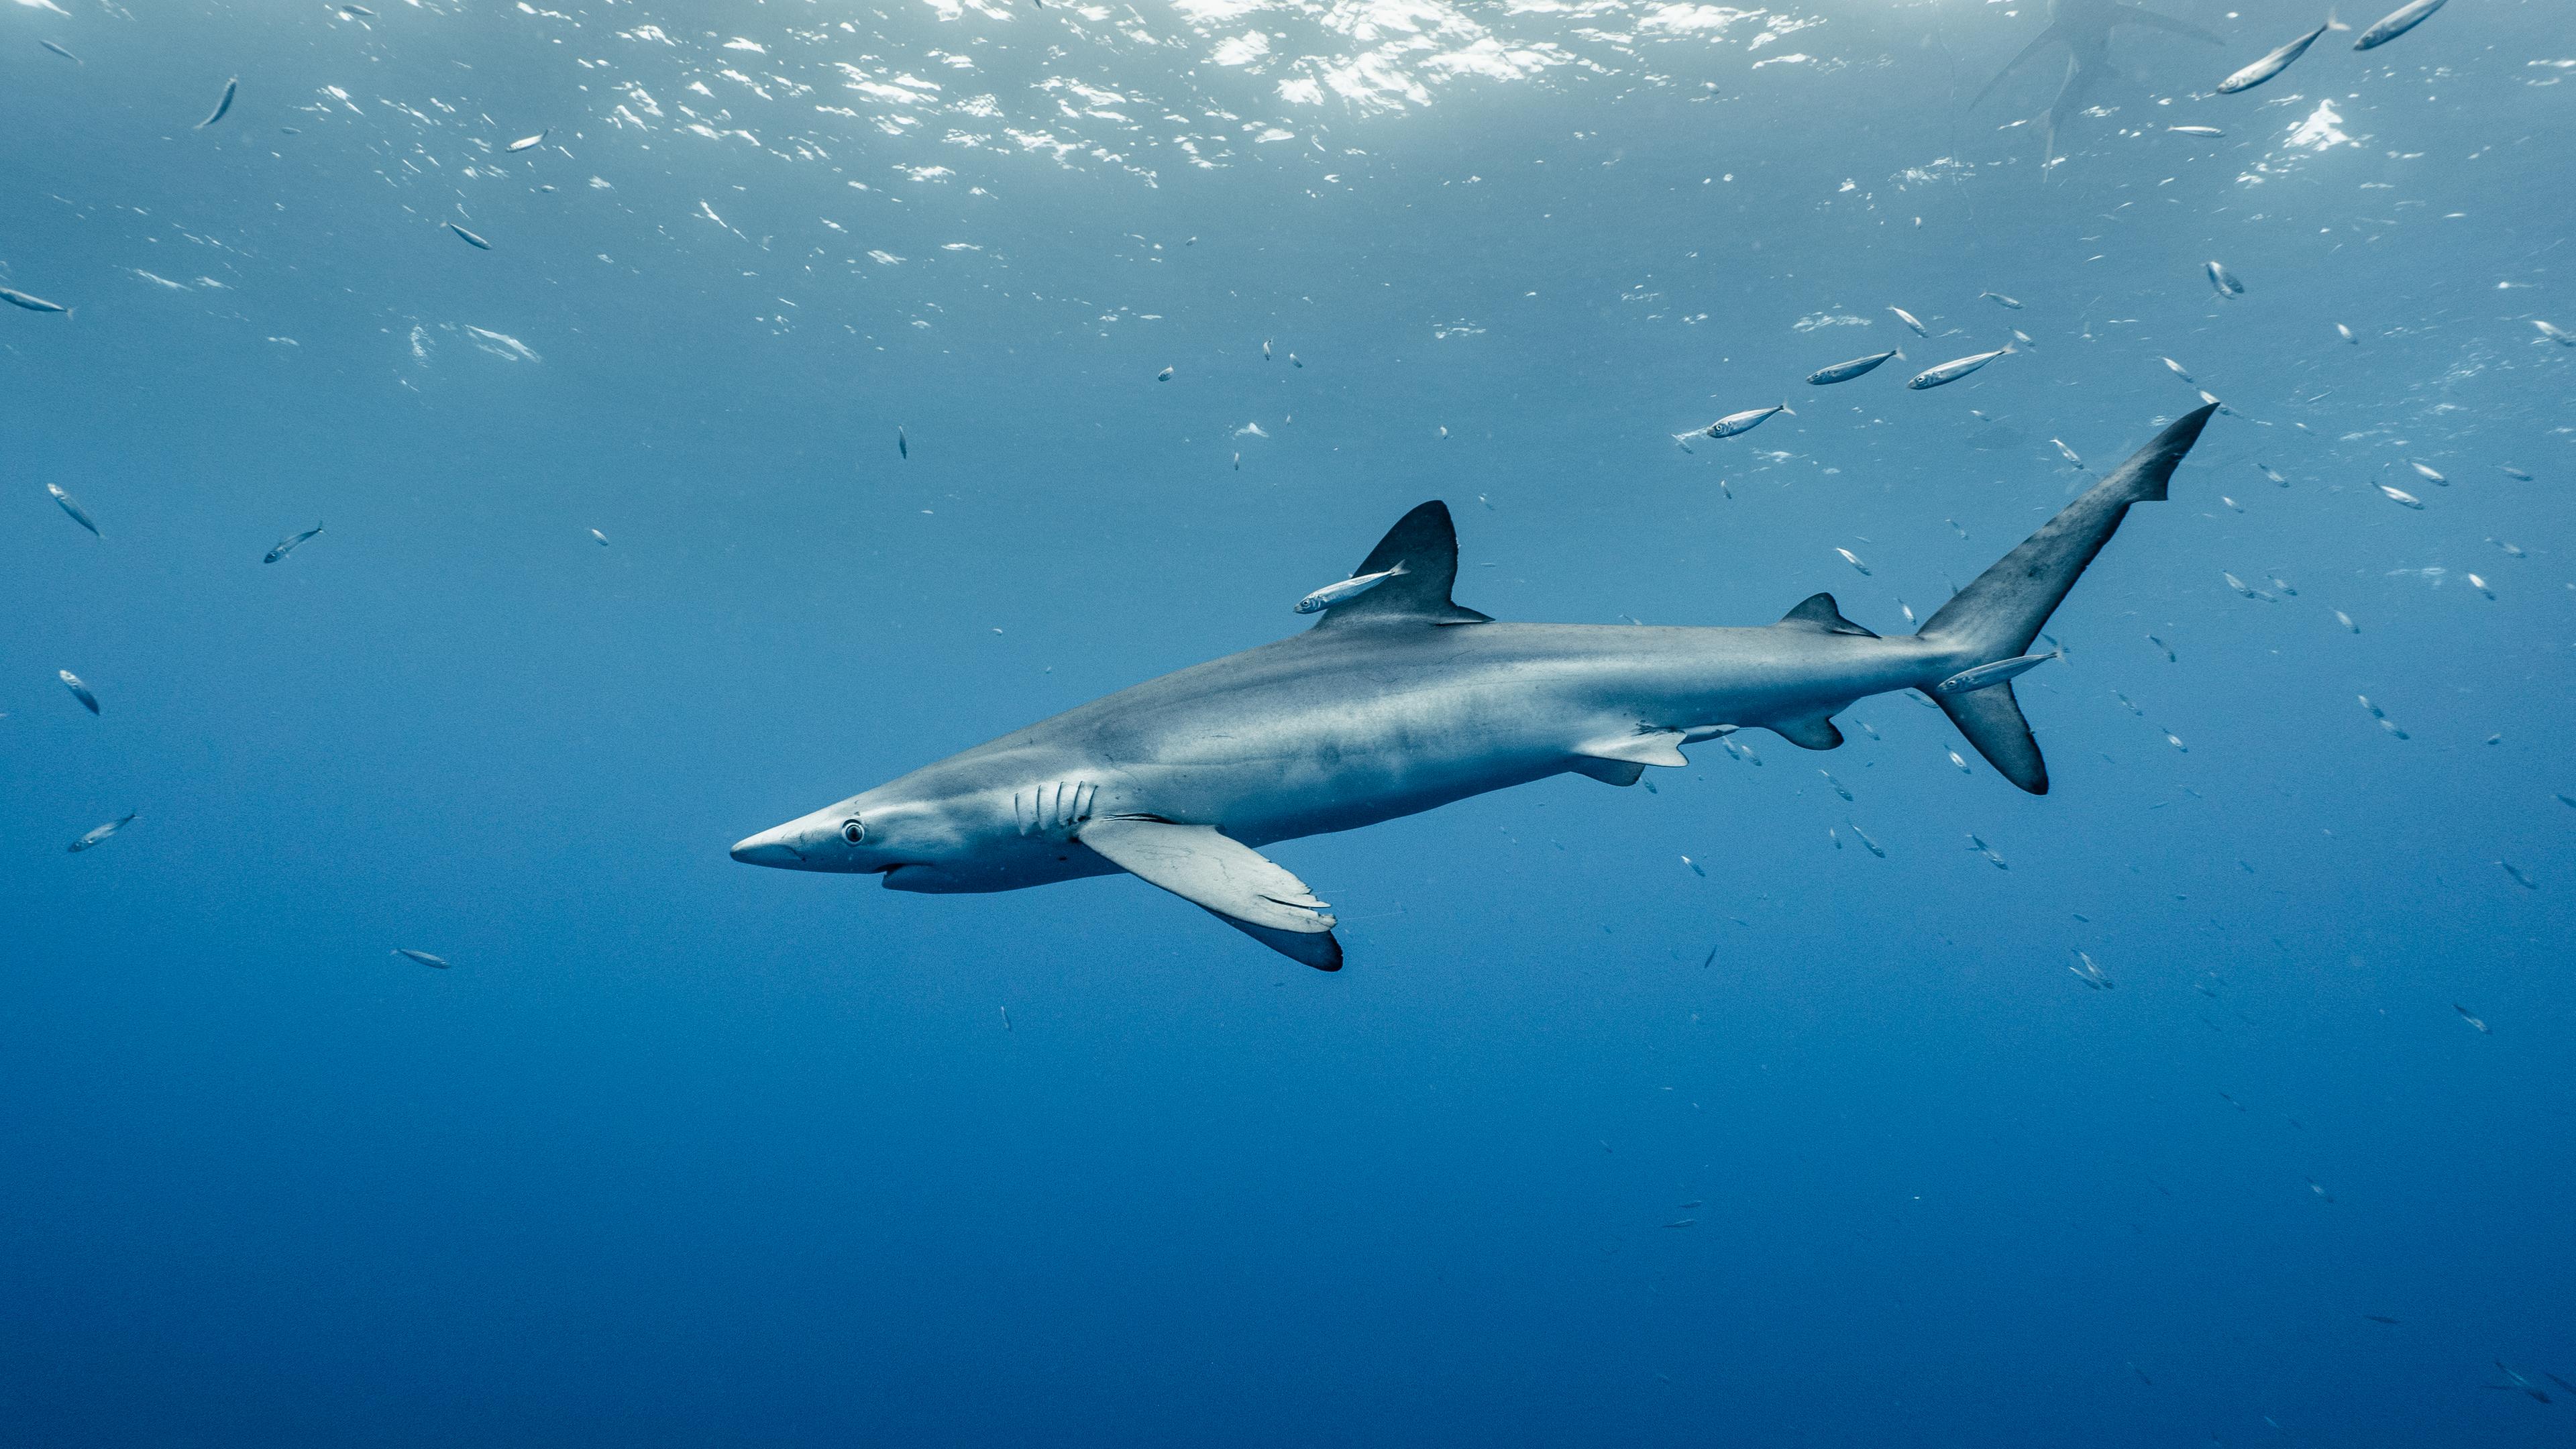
684 1152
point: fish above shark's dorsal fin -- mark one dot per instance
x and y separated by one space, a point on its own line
1819 613
1224 876
1425 542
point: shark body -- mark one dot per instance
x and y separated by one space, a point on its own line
2083 29
1400 701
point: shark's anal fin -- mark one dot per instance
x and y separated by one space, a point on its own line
1224 876
1809 734
1425 542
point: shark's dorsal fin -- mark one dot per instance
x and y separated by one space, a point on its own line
1820 614
1426 543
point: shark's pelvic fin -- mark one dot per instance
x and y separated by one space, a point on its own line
1222 875
1609 772
1809 734
1426 543
1996 617
1820 614
1649 747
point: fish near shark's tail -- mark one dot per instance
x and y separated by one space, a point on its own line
1997 616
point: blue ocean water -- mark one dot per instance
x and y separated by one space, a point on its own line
1808 1144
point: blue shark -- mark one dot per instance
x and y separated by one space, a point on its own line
1399 700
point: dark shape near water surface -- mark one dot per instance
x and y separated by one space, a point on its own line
231 88
286 546
1399 700
2083 28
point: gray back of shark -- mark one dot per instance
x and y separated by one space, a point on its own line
1400 700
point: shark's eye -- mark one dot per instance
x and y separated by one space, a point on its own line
853 832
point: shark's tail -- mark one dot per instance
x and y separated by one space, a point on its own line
1996 617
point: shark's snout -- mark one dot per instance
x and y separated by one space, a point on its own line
776 847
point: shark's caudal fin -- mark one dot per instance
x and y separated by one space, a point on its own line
1426 543
2053 35
2132 15
1998 615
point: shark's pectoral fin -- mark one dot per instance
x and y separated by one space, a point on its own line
1640 747
1318 949
1809 734
1221 874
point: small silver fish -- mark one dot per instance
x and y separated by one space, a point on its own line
2556 334
1839 787
1846 371
2524 881
101 833
2429 475
2232 505
603 538
1908 319
1293 362
2223 279
2283 585
231 87
79 690
1953 370
1981 848
1854 560
2464 1011
2067 452
470 239
2480 585
529 143
2177 370
2513 472
2089 973
289 545
1867 844
1985 676
2196 130
2269 472
2000 300
2167 648
2238 585
58 50
1163 376
1744 422
902 444
1694 867
32 303
2346 334
1962 764
2510 551
2270 65
1265 349
74 509
2401 496
423 957
2346 621
2396 23
1350 588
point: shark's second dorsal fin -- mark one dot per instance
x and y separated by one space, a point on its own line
1820 614
1426 543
